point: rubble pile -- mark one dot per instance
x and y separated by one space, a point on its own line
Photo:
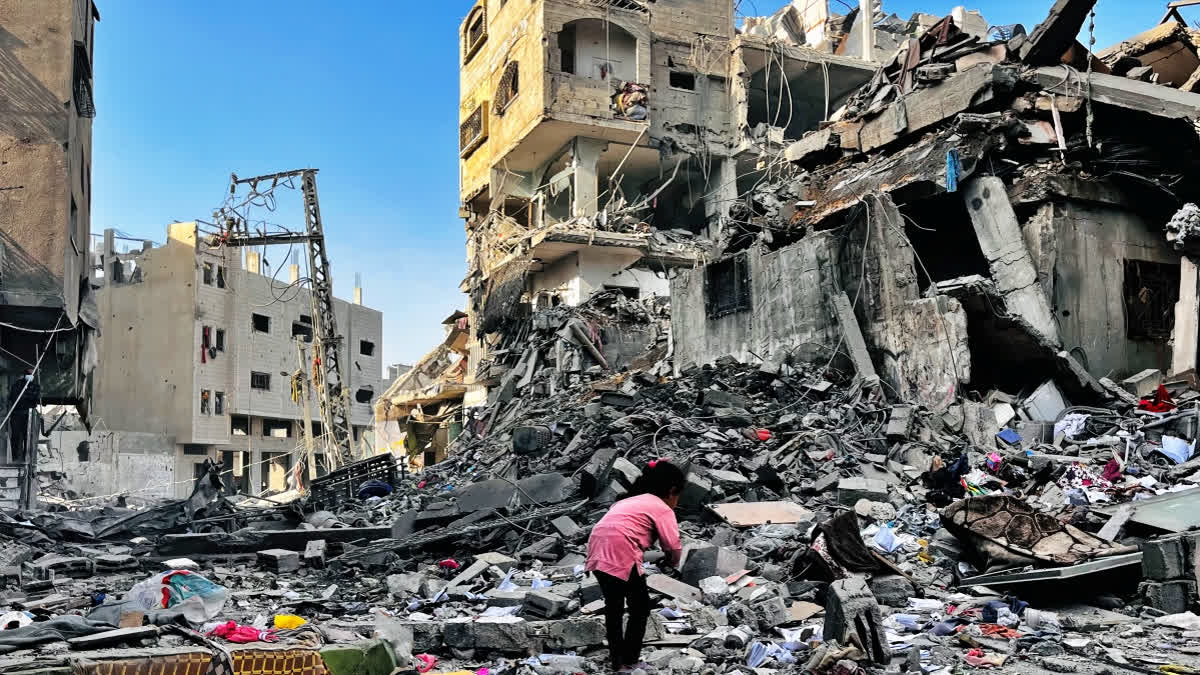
825 528
1005 512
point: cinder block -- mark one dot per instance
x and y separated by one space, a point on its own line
1172 597
1164 559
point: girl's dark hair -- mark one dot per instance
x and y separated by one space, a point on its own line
659 478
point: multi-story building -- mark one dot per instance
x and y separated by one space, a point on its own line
45 196
211 351
602 142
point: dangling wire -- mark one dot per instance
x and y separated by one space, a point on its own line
1088 101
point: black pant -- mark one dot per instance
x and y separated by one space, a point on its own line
20 433
625 642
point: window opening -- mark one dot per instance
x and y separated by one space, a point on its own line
1151 291
260 381
727 287
682 80
261 323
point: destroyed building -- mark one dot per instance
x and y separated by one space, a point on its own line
46 302
930 377
204 355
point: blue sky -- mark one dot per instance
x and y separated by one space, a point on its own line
367 92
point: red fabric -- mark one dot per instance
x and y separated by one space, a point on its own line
1160 402
233 632
1112 471
627 530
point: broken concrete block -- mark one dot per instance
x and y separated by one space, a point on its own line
279 560
565 526
545 604
314 553
715 591
899 425
499 560
729 477
1172 597
625 471
892 590
772 612
486 494
850 490
593 477
51 565
1164 559
709 561
850 608
576 633
696 490
403 586
1143 383
431 587
826 482
468 574
592 409
733 417
540 548
618 399
717 398
544 488
498 598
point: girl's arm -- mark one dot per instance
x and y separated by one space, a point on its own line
668 535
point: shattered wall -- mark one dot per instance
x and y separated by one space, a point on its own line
1080 249
787 290
109 462
575 277
919 345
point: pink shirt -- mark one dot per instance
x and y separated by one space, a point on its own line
628 529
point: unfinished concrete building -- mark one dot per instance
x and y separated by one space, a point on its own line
217 355
602 143
45 196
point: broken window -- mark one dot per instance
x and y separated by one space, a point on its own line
598 49
84 103
304 318
366 347
239 425
1151 291
509 84
235 471
302 330
219 403
260 323
727 287
276 428
473 131
83 450
219 344
195 450
205 395
474 31
682 80
208 274
220 276
364 395
260 381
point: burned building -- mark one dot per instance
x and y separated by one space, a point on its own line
46 306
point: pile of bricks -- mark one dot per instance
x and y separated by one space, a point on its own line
1169 568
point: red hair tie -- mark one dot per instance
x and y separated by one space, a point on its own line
654 462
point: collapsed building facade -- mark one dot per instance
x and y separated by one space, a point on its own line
46 300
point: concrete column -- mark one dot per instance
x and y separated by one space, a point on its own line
1187 318
253 262
999 235
722 194
868 31
293 273
585 154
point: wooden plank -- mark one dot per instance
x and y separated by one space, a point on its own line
925 107
747 514
1154 99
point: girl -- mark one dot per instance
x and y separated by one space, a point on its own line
614 555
